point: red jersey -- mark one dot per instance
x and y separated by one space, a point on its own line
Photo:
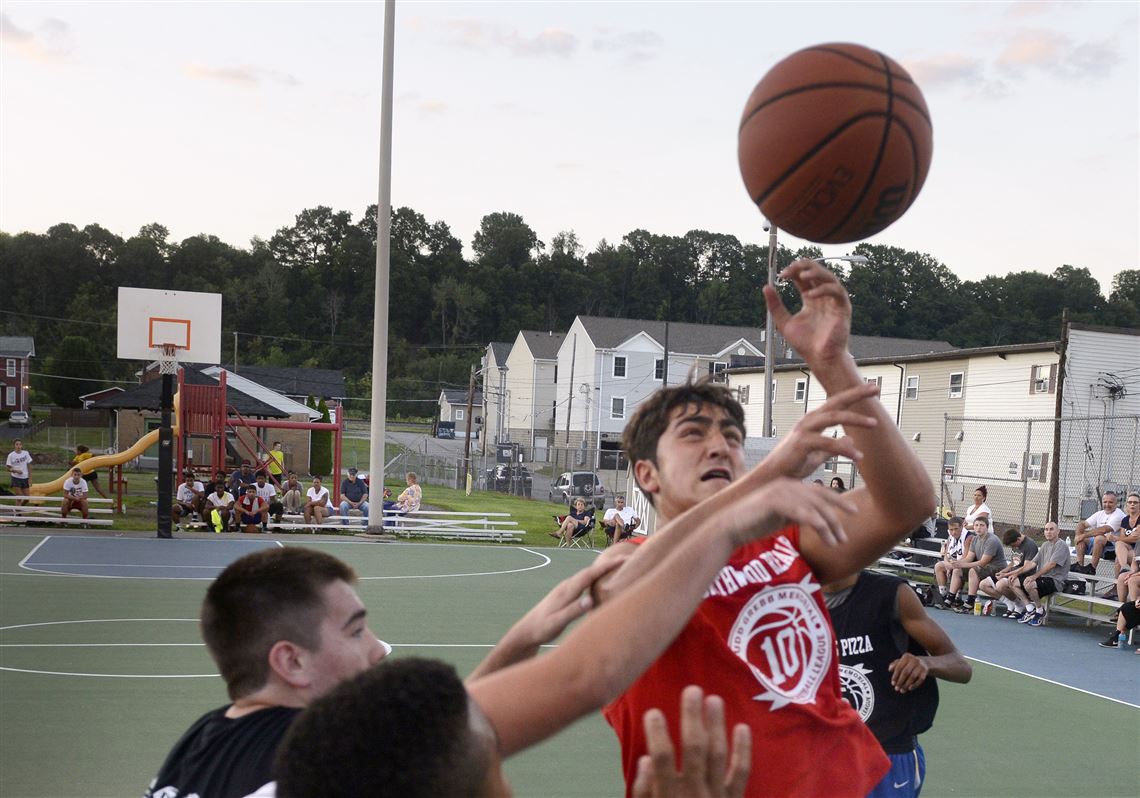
761 639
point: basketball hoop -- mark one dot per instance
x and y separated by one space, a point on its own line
168 359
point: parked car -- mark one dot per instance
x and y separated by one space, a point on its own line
19 418
512 479
572 484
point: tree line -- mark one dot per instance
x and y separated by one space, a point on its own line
304 297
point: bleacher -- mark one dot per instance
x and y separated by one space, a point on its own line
46 509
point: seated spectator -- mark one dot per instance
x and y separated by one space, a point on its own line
316 509
353 496
953 548
979 509
1128 615
999 586
578 519
267 492
252 511
1091 533
1052 569
75 494
620 521
986 558
241 477
1124 539
293 494
210 487
188 500
837 485
220 504
410 497
82 452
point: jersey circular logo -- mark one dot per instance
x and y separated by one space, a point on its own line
857 689
785 639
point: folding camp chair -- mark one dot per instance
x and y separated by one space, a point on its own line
583 538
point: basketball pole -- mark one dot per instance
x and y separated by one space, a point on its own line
769 332
166 456
378 425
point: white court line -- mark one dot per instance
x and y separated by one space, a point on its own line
34 550
1059 684
122 565
545 562
115 675
97 645
95 620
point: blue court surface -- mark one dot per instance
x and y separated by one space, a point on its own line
140 558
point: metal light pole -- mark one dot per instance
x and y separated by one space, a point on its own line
769 330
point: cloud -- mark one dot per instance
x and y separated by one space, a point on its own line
1030 8
1056 53
482 35
50 42
243 75
938 70
632 46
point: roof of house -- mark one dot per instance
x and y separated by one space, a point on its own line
501 350
941 354
543 345
693 339
321 383
148 395
17 346
864 346
102 392
245 384
456 396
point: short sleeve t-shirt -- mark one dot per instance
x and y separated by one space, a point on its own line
1101 518
319 496
1056 552
186 494
1025 551
989 544
974 512
626 513
956 546
19 462
411 497
220 501
267 492
74 487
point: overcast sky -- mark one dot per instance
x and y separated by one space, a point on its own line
230 118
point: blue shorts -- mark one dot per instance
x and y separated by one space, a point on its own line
905 778
18 482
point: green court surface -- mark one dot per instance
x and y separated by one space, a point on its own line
100 675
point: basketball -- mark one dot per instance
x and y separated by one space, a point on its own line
835 143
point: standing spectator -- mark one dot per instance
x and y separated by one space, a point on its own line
619 521
252 511
75 494
240 478
293 494
353 496
189 498
221 505
316 509
19 464
1094 529
999 586
82 453
1049 577
986 558
953 548
275 462
1125 538
980 509
890 654
837 485
410 497
267 492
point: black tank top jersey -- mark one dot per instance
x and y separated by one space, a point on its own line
220 757
870 637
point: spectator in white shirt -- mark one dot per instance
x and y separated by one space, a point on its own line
189 498
221 503
619 521
75 494
317 507
980 510
1091 533
267 492
19 464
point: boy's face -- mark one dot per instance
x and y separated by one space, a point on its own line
700 452
347 646
955 530
981 526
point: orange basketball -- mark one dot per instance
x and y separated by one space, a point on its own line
835 143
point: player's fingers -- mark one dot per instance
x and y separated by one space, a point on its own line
694 738
740 763
659 746
718 744
775 305
643 783
823 418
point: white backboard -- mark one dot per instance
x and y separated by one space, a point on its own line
189 319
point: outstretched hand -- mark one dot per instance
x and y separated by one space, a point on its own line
806 448
763 511
704 753
820 330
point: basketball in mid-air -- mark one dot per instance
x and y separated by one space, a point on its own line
835 143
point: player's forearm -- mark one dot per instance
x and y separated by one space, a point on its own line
952 667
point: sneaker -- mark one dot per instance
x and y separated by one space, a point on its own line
988 608
1110 642
1012 614
964 609
1037 619
1026 616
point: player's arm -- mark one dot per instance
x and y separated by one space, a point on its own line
897 495
532 700
943 660
797 455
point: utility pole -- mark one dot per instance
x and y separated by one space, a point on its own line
467 437
769 333
235 351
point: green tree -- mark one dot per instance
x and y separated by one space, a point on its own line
74 369
320 445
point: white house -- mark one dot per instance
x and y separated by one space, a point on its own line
494 376
531 374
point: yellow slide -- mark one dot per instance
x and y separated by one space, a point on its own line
105 460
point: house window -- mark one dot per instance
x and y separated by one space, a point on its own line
659 369
949 464
554 413
617 407
956 381
10 396
555 373
774 383
1033 469
1043 379
716 369
912 387
877 380
831 466
11 367
801 391
458 414
619 365
743 392
1013 468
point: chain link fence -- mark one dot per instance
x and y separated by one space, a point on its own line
1038 468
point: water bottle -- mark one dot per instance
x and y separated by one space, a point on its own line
1121 641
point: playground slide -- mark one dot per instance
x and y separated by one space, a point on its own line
104 460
